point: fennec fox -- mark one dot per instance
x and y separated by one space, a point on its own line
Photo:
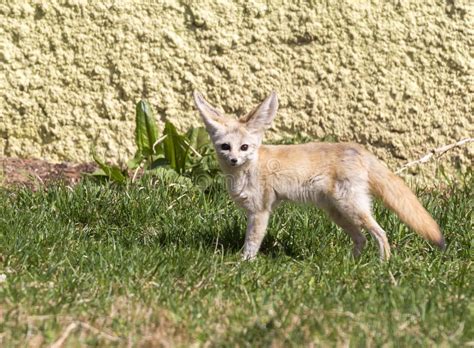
339 178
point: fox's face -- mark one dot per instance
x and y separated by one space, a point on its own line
235 145
237 141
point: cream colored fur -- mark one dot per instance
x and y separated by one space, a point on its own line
339 178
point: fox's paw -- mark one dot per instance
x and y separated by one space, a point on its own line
249 255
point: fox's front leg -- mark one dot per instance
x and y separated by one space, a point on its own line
256 227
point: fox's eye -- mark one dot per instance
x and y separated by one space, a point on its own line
225 147
244 147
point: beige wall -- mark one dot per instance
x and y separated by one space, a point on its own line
394 75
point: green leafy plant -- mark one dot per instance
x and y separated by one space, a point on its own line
113 172
146 134
188 154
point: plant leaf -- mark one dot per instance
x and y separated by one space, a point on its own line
135 161
160 162
146 130
113 172
98 172
197 137
175 148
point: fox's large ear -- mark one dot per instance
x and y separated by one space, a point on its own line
262 116
213 119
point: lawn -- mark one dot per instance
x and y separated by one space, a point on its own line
156 263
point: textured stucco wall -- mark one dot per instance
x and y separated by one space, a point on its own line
394 75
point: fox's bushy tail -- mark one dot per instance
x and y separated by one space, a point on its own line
397 196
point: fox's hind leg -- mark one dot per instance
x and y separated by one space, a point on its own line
364 219
375 230
350 228
355 205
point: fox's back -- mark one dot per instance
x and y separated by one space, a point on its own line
312 171
310 158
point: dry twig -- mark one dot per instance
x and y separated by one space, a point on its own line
74 325
435 152
64 336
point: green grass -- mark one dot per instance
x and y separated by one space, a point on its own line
158 263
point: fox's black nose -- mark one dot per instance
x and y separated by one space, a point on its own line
233 160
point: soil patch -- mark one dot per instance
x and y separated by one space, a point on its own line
34 173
